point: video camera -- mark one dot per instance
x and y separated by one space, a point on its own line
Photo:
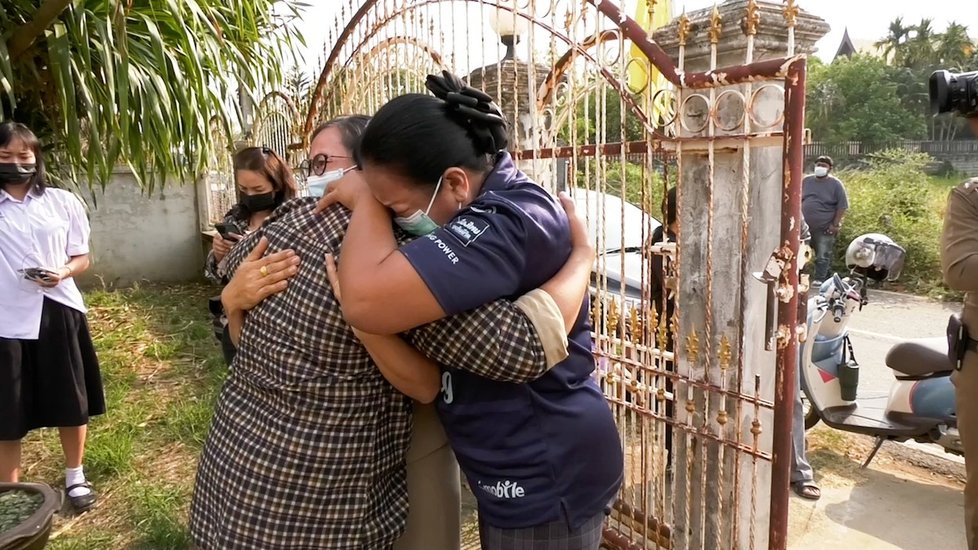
954 92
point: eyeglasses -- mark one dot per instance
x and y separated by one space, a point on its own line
317 164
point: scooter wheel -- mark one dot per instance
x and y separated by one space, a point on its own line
811 418
811 415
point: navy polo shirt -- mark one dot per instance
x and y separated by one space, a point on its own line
538 452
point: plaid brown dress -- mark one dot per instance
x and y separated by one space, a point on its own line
306 447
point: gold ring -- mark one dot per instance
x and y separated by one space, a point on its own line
263 270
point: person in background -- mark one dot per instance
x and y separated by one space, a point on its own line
824 203
802 474
662 290
264 181
959 263
49 372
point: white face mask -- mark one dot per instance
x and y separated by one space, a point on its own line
319 184
821 171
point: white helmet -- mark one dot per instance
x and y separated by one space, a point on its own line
875 256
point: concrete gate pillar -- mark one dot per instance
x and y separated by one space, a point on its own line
729 203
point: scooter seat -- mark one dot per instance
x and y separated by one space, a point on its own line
921 357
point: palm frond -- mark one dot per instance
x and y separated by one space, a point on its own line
138 82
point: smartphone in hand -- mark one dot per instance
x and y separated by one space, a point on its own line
39 274
229 231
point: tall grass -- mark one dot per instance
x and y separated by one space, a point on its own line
895 197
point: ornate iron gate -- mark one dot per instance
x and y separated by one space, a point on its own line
718 372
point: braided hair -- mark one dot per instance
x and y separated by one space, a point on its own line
422 136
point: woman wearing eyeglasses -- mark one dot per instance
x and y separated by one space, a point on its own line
264 182
329 152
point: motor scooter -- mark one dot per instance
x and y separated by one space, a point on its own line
920 405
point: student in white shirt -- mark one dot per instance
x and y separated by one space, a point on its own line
49 373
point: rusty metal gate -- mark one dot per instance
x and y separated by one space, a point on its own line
599 108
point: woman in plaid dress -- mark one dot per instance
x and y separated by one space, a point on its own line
543 458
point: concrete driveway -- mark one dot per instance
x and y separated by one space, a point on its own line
910 496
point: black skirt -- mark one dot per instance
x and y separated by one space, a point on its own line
53 381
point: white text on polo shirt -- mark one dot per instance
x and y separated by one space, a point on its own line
447 250
504 489
467 230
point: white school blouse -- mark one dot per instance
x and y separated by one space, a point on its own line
40 231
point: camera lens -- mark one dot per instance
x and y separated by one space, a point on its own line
953 92
939 85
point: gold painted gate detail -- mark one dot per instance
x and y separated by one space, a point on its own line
718 373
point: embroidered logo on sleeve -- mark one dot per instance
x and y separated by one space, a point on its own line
467 229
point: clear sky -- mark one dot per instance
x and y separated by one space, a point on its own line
867 20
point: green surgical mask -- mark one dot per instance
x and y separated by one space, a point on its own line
419 223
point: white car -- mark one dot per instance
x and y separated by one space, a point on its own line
618 229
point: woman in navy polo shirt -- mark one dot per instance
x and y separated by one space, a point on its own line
544 459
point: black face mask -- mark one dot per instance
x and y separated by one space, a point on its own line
258 203
16 174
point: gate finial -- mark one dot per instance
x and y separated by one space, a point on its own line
716 25
693 347
725 355
791 11
683 28
752 19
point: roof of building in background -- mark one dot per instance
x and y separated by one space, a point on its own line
849 46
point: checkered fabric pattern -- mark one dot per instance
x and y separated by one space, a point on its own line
306 448
213 269
556 535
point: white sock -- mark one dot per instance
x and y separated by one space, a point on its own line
74 476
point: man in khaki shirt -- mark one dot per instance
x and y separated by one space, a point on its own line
959 263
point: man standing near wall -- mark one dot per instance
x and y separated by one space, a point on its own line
824 203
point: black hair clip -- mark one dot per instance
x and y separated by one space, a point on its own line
476 106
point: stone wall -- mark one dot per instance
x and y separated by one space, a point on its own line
963 163
137 237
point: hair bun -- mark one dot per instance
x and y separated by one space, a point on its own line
479 114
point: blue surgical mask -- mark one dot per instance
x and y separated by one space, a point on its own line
319 184
419 224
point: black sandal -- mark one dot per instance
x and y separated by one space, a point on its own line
81 503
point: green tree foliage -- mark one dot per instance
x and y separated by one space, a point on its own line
895 197
883 98
856 99
603 108
299 86
136 82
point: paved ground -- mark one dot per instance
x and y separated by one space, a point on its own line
910 496
888 319
883 510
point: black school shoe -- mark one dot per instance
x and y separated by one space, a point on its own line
81 503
